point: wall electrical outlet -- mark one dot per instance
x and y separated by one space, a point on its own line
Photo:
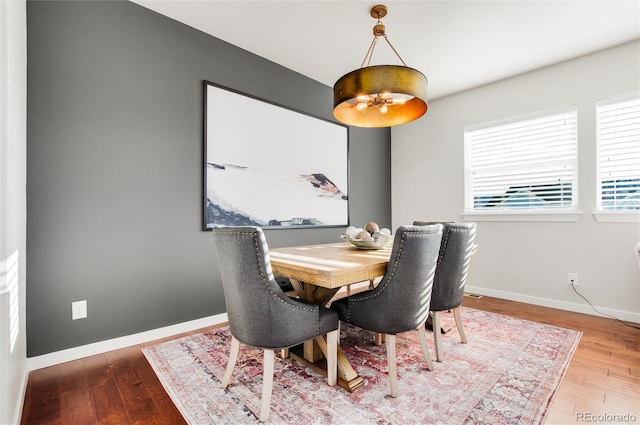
572 279
78 310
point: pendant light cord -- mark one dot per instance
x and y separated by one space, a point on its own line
372 46
369 54
394 50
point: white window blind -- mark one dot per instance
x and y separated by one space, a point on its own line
618 126
522 163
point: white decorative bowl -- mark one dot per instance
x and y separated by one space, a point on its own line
378 241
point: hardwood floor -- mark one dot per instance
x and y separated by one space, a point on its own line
604 375
119 387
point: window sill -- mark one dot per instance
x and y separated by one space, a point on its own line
617 216
522 216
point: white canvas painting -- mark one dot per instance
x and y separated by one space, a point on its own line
270 166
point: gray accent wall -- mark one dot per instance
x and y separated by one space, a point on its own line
114 168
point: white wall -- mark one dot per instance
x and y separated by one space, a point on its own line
527 261
13 91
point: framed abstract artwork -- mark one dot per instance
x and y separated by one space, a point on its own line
270 166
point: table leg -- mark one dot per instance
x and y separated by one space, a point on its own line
315 351
311 351
378 338
297 286
316 295
347 376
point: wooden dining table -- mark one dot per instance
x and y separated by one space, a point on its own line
317 272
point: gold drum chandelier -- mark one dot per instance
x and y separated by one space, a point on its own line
381 95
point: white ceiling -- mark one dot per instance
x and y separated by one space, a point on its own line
456 44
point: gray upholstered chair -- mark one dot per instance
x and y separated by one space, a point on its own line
451 276
400 302
260 314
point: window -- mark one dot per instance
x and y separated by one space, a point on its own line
522 164
618 127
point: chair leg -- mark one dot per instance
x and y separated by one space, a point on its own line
456 315
332 357
422 337
267 384
391 364
231 363
437 338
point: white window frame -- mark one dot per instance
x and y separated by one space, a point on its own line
608 215
546 213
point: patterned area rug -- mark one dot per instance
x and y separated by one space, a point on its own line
506 374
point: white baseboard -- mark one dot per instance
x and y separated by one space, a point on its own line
562 305
75 353
17 411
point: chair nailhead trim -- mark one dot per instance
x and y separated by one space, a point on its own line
265 281
445 240
387 279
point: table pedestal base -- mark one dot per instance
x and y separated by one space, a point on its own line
320 366
313 353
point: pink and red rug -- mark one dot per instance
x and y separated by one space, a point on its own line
507 374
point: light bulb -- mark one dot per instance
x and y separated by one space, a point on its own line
400 98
